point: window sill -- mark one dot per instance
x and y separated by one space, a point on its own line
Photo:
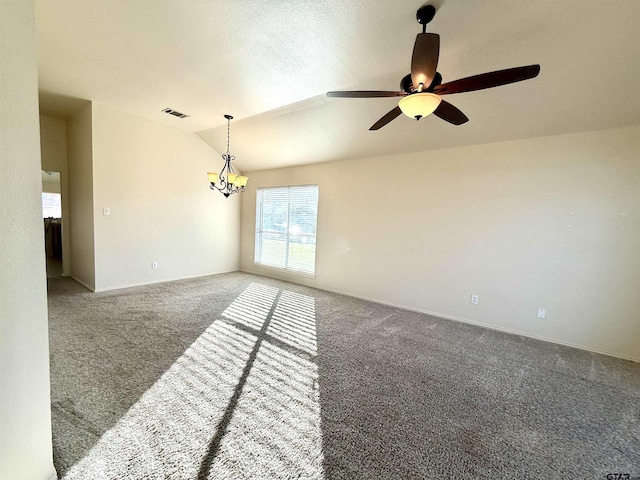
284 271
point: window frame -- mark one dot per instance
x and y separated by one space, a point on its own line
259 231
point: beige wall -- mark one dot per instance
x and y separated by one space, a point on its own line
53 147
25 418
546 223
51 184
80 164
153 179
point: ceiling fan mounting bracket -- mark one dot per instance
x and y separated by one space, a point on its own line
424 15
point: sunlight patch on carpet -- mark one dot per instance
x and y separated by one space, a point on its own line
241 402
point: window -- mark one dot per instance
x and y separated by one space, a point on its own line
51 207
286 220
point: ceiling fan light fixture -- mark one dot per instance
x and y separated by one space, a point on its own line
419 105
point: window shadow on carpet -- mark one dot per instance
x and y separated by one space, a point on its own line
241 402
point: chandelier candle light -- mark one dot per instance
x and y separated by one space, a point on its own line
229 182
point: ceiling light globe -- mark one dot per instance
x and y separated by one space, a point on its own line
419 105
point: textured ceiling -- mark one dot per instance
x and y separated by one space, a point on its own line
270 63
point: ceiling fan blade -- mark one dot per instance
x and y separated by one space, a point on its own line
436 81
488 80
393 114
451 114
365 94
425 59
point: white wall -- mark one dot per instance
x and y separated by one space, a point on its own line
53 147
80 168
153 178
25 418
548 223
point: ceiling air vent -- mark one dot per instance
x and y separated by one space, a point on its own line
174 113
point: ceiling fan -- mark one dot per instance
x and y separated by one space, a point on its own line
422 88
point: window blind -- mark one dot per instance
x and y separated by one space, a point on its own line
286 221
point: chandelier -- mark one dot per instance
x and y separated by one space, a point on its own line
227 181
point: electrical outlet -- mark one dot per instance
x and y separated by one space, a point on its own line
106 211
475 299
542 313
154 265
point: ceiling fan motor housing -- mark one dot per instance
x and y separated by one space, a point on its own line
406 85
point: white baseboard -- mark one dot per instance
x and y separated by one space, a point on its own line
466 320
83 284
530 335
489 326
164 280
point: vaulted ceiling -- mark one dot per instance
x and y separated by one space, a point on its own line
270 63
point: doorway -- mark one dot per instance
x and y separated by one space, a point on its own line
52 221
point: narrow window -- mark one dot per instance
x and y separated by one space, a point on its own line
51 205
286 220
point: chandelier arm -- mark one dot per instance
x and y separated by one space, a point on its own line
228 165
225 190
213 186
